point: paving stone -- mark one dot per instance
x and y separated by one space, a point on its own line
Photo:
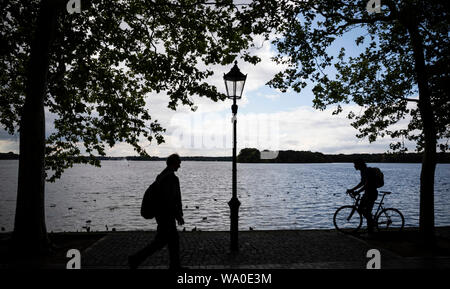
257 249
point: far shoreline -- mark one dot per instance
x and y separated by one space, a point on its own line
284 157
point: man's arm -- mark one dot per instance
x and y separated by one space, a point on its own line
357 192
361 186
178 203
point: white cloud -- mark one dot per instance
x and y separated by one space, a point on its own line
302 128
272 96
305 128
210 133
9 146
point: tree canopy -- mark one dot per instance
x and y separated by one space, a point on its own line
249 155
106 60
382 78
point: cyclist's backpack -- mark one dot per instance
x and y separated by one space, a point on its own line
378 177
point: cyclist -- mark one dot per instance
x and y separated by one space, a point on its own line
368 185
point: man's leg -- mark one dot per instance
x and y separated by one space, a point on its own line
372 197
366 206
174 247
158 243
369 219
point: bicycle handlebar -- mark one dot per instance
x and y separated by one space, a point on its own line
351 195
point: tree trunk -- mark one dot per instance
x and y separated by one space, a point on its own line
426 221
30 234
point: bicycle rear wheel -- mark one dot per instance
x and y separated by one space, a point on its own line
347 219
390 220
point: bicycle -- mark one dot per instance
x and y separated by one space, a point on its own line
348 219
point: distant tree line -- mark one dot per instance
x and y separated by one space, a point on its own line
9 156
252 155
13 156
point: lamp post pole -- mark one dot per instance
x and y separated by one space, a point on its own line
234 83
234 202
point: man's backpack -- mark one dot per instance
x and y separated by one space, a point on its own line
152 198
378 177
149 202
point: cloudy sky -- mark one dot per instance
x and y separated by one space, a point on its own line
267 118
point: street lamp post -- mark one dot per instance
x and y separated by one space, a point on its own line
234 84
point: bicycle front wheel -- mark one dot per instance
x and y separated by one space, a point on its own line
347 219
390 220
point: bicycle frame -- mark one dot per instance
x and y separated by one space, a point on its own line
380 204
355 205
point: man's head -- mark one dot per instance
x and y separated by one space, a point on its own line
360 164
173 162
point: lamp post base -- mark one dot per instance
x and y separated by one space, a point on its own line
234 208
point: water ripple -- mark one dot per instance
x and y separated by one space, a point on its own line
273 196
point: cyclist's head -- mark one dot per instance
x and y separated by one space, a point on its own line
359 164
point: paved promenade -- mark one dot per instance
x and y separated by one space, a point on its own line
308 249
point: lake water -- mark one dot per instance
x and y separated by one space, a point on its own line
273 196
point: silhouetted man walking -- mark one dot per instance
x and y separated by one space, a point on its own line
368 185
170 209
